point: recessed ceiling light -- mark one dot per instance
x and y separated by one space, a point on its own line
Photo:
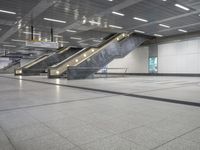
163 25
94 22
14 40
110 0
164 0
9 45
139 31
75 38
8 12
140 19
31 33
158 35
98 41
114 26
117 13
58 36
182 7
72 31
54 20
63 41
181 30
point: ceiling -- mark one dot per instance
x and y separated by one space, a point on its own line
92 20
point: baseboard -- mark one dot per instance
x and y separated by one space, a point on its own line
154 74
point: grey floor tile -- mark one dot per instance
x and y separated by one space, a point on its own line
179 144
112 143
6 147
16 119
84 134
61 125
28 132
146 137
3 139
193 136
48 142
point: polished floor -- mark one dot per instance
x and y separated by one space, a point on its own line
47 114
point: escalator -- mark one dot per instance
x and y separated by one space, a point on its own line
41 64
92 59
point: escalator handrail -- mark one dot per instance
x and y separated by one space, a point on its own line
82 51
45 56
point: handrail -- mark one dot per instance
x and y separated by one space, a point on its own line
74 60
75 55
43 57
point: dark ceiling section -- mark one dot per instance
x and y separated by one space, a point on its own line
78 14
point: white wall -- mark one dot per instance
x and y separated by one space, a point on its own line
179 57
136 61
4 61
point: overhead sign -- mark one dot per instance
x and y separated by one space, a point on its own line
53 45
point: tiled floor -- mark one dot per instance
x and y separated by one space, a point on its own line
38 116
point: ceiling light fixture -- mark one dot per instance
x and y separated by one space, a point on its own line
72 31
98 41
163 25
117 13
9 45
140 19
182 7
158 35
31 33
94 22
139 31
58 36
181 30
14 40
8 12
114 26
54 20
63 41
75 38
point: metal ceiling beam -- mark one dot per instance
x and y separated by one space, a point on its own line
33 13
122 5
167 19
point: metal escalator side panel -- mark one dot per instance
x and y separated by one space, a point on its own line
105 56
74 60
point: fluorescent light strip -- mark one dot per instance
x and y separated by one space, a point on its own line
58 36
140 19
8 12
163 25
31 33
158 35
138 31
98 41
94 22
14 40
114 26
54 20
117 13
9 45
181 30
72 31
75 38
182 7
63 41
